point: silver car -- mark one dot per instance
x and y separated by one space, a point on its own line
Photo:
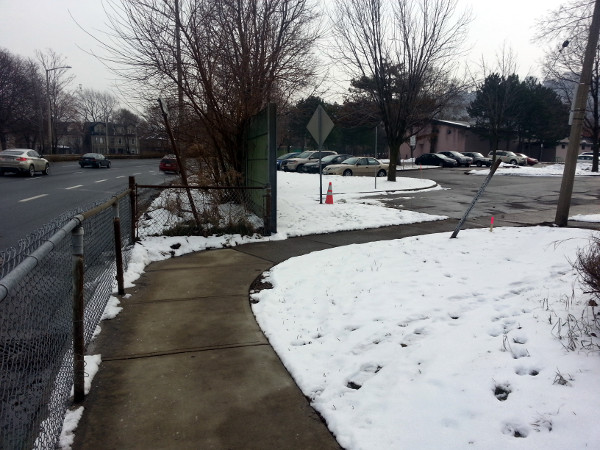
295 164
23 161
508 157
358 166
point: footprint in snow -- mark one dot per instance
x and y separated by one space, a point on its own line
531 371
366 372
516 430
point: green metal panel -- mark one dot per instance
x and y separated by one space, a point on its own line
261 159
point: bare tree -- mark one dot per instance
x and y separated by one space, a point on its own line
59 100
20 100
225 59
566 29
94 106
504 64
401 54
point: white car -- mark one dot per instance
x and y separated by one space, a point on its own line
23 161
585 158
295 164
508 157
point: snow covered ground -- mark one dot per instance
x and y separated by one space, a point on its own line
424 342
430 342
539 170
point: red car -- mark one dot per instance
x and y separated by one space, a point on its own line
530 161
169 164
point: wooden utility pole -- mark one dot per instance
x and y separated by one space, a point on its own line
566 188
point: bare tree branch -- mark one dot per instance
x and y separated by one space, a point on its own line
403 55
230 59
566 29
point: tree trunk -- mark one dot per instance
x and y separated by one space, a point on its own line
595 125
394 150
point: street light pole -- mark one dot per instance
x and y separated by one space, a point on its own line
49 103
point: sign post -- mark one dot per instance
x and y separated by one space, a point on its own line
413 144
319 126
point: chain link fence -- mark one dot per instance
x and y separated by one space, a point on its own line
42 340
168 210
37 292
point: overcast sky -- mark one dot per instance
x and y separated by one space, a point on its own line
28 25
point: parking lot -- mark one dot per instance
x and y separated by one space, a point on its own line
505 194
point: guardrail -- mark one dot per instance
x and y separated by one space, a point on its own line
51 302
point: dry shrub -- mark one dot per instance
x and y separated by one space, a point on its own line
588 267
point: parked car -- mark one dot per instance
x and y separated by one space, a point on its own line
23 161
508 157
530 161
478 159
357 165
296 163
313 166
585 158
96 160
461 159
435 159
282 158
168 163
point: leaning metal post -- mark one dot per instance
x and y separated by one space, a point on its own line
78 311
479 192
118 250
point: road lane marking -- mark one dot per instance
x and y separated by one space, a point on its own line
100 181
32 198
121 176
74 187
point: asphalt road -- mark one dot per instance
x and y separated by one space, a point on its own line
27 204
504 195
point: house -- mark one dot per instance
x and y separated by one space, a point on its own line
110 139
560 151
446 135
69 138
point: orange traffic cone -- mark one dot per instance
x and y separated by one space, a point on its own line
329 198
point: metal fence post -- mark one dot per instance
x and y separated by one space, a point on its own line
132 206
118 250
78 311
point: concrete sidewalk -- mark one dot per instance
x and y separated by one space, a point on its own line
185 366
